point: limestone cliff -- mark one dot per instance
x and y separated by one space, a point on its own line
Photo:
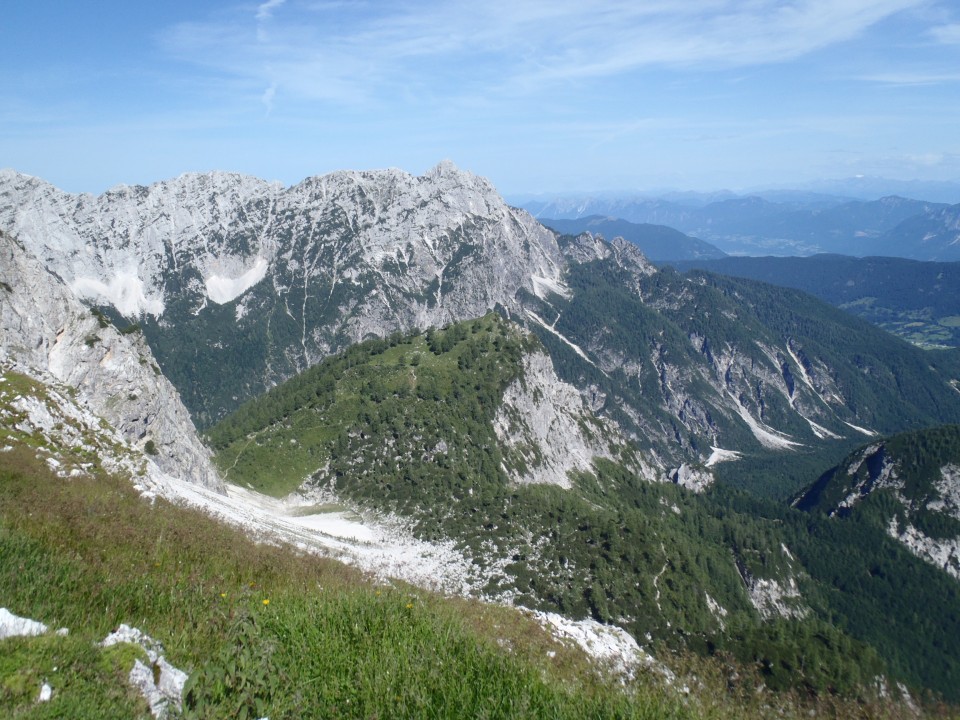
45 329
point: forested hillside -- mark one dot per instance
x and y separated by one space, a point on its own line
405 427
700 361
918 301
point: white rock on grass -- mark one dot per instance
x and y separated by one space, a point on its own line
46 693
612 647
15 626
162 694
161 684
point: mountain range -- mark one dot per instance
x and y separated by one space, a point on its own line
238 285
753 225
591 434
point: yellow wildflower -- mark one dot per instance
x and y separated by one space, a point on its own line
266 601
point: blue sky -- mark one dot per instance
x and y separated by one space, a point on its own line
537 96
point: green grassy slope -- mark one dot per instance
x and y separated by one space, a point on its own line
265 631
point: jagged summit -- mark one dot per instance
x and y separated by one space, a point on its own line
121 247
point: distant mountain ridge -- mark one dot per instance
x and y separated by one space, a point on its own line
248 283
657 242
756 226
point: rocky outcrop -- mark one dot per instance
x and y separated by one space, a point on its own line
44 329
772 598
547 432
695 479
943 553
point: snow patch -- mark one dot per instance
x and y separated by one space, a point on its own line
767 438
820 431
295 510
125 291
800 366
222 289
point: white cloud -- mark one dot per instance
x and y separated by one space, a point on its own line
947 34
912 78
267 97
351 53
265 10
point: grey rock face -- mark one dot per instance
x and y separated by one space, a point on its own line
240 284
298 272
545 426
43 326
446 237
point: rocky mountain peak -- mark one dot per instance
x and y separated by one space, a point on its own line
324 263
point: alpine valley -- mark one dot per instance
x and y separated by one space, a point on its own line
406 373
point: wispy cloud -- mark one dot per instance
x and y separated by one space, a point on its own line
265 10
947 34
354 52
267 97
912 78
